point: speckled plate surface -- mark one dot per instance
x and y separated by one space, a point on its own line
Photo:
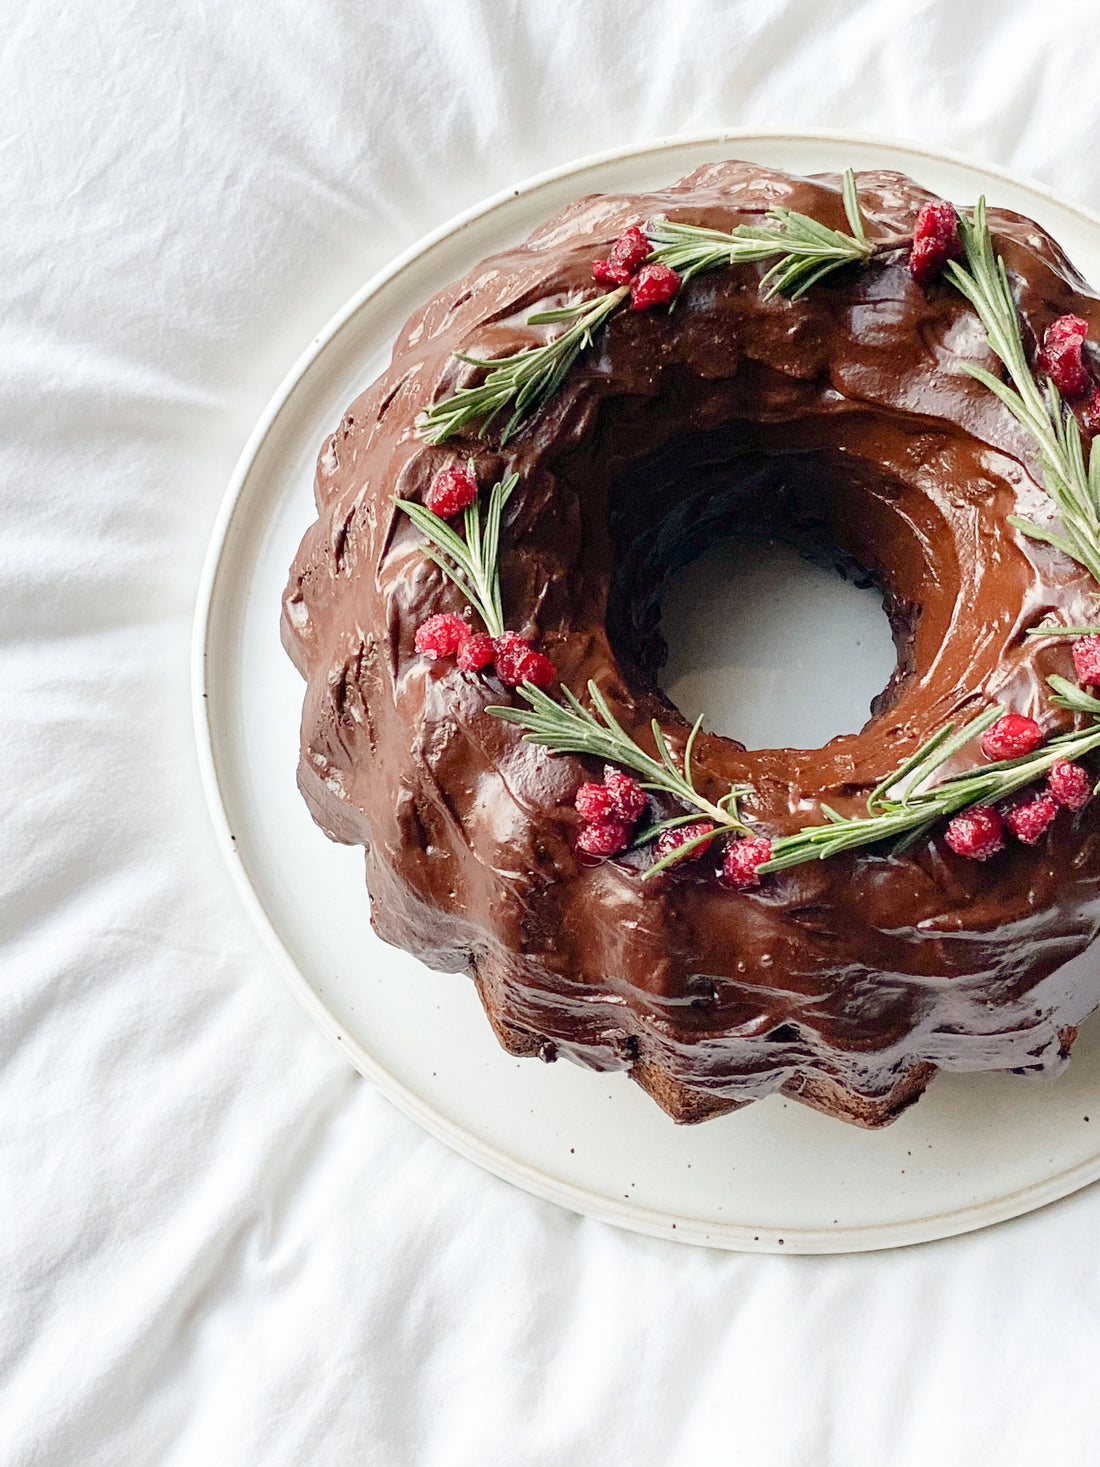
977 1149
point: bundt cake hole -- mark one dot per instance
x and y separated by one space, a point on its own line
755 631
719 532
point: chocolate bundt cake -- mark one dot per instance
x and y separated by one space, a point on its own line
843 363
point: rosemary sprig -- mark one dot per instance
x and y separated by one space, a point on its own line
908 815
1073 485
1057 630
804 250
1069 695
573 729
471 563
525 380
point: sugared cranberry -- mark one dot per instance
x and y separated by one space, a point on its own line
673 840
1066 328
652 286
628 799
1028 822
451 491
926 260
517 662
509 643
1086 659
441 636
509 648
977 833
1091 414
476 652
593 801
627 254
631 250
739 866
1011 737
1068 784
935 240
1061 358
535 667
605 837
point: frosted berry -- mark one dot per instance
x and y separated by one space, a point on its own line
1061 355
451 491
441 636
1086 659
631 250
739 867
977 833
652 286
508 648
1066 328
593 801
626 255
672 840
628 799
605 837
476 652
1029 822
535 667
518 662
935 241
1011 737
1068 784
1091 414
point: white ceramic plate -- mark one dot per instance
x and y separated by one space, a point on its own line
776 1176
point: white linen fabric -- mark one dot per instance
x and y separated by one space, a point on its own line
217 1244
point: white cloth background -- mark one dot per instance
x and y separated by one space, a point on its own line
217 1245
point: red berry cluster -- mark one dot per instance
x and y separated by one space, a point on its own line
935 241
978 833
650 285
611 810
514 660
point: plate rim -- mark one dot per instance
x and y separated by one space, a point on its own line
493 1158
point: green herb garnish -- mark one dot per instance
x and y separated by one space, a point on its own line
804 251
573 729
471 563
525 380
904 817
1073 485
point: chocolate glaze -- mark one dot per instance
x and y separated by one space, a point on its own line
843 422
